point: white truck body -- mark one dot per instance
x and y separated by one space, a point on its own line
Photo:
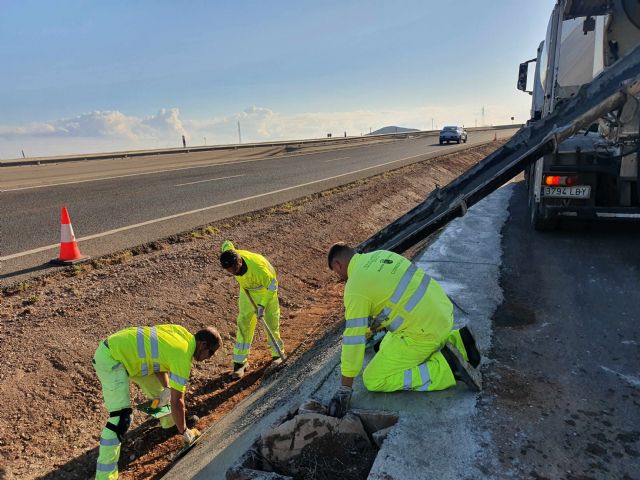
593 174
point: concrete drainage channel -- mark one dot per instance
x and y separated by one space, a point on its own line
310 445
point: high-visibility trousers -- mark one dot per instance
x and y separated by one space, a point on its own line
246 324
406 363
115 390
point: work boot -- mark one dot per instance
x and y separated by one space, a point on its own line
275 361
239 369
470 346
461 368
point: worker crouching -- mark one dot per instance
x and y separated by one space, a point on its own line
158 359
420 351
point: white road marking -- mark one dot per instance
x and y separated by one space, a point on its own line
336 159
209 180
198 210
282 157
635 381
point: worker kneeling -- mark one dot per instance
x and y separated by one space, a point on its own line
420 351
158 359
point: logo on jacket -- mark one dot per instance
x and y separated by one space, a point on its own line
386 260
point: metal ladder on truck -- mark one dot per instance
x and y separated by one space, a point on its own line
606 93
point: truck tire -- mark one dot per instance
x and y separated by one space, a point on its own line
458 142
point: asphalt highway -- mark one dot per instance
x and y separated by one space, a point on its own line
116 204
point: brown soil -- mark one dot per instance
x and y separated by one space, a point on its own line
52 411
332 456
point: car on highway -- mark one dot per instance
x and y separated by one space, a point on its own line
453 134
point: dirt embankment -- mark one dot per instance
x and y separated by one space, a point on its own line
52 411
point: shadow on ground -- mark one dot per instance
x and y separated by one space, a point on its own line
143 439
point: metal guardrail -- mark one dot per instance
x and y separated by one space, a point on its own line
293 144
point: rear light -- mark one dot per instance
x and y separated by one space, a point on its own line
552 180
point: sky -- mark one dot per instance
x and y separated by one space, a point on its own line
87 76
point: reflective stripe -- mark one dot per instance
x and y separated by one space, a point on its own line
404 283
396 324
239 358
178 379
243 346
354 340
144 370
357 322
419 293
273 286
117 365
156 367
66 233
107 467
140 339
153 338
425 377
407 380
109 442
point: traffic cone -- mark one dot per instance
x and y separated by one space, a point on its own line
69 251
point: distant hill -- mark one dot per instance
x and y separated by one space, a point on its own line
387 130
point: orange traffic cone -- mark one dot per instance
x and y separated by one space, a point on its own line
69 251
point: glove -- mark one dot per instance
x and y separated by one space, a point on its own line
163 399
260 311
190 435
339 404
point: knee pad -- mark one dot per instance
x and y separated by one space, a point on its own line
123 423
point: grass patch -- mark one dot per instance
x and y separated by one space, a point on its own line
210 230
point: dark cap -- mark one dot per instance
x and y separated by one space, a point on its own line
228 258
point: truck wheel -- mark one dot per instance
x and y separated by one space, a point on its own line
458 142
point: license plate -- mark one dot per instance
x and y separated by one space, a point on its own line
579 191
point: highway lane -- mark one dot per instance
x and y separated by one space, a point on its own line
177 196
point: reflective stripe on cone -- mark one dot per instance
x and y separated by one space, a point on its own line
69 251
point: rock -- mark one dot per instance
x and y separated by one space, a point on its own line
380 436
312 406
288 439
351 426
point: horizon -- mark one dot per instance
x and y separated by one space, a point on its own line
89 78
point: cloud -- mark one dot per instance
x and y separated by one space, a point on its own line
101 131
102 124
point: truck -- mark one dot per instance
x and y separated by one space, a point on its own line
594 173
579 149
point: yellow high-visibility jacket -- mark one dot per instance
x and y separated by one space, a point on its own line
260 279
384 290
161 348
